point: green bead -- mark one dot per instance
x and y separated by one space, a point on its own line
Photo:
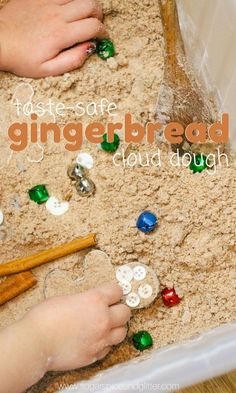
198 163
142 340
39 194
105 49
110 147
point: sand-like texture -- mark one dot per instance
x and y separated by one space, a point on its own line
194 245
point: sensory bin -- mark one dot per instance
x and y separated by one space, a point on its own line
192 249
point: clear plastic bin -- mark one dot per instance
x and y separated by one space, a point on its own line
209 31
172 367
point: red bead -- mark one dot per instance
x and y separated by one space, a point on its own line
170 297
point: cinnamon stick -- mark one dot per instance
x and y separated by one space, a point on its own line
16 285
43 257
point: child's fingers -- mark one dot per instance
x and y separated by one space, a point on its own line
68 60
120 315
84 30
62 2
111 292
116 336
103 353
82 9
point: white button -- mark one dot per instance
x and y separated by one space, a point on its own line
145 291
85 160
139 273
1 217
55 207
132 300
126 286
124 273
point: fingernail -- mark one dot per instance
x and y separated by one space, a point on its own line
91 49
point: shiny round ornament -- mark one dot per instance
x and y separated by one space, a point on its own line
147 222
76 171
142 340
39 194
110 147
198 163
170 297
105 49
85 187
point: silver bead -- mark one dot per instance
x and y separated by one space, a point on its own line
76 172
85 187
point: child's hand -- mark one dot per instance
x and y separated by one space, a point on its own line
62 333
35 34
77 330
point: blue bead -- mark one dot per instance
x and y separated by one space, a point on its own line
147 222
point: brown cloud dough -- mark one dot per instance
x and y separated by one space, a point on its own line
194 246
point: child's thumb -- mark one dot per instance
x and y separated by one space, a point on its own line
68 60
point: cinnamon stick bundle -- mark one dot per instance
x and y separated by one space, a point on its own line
43 257
16 285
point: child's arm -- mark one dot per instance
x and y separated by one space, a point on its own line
62 333
35 34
